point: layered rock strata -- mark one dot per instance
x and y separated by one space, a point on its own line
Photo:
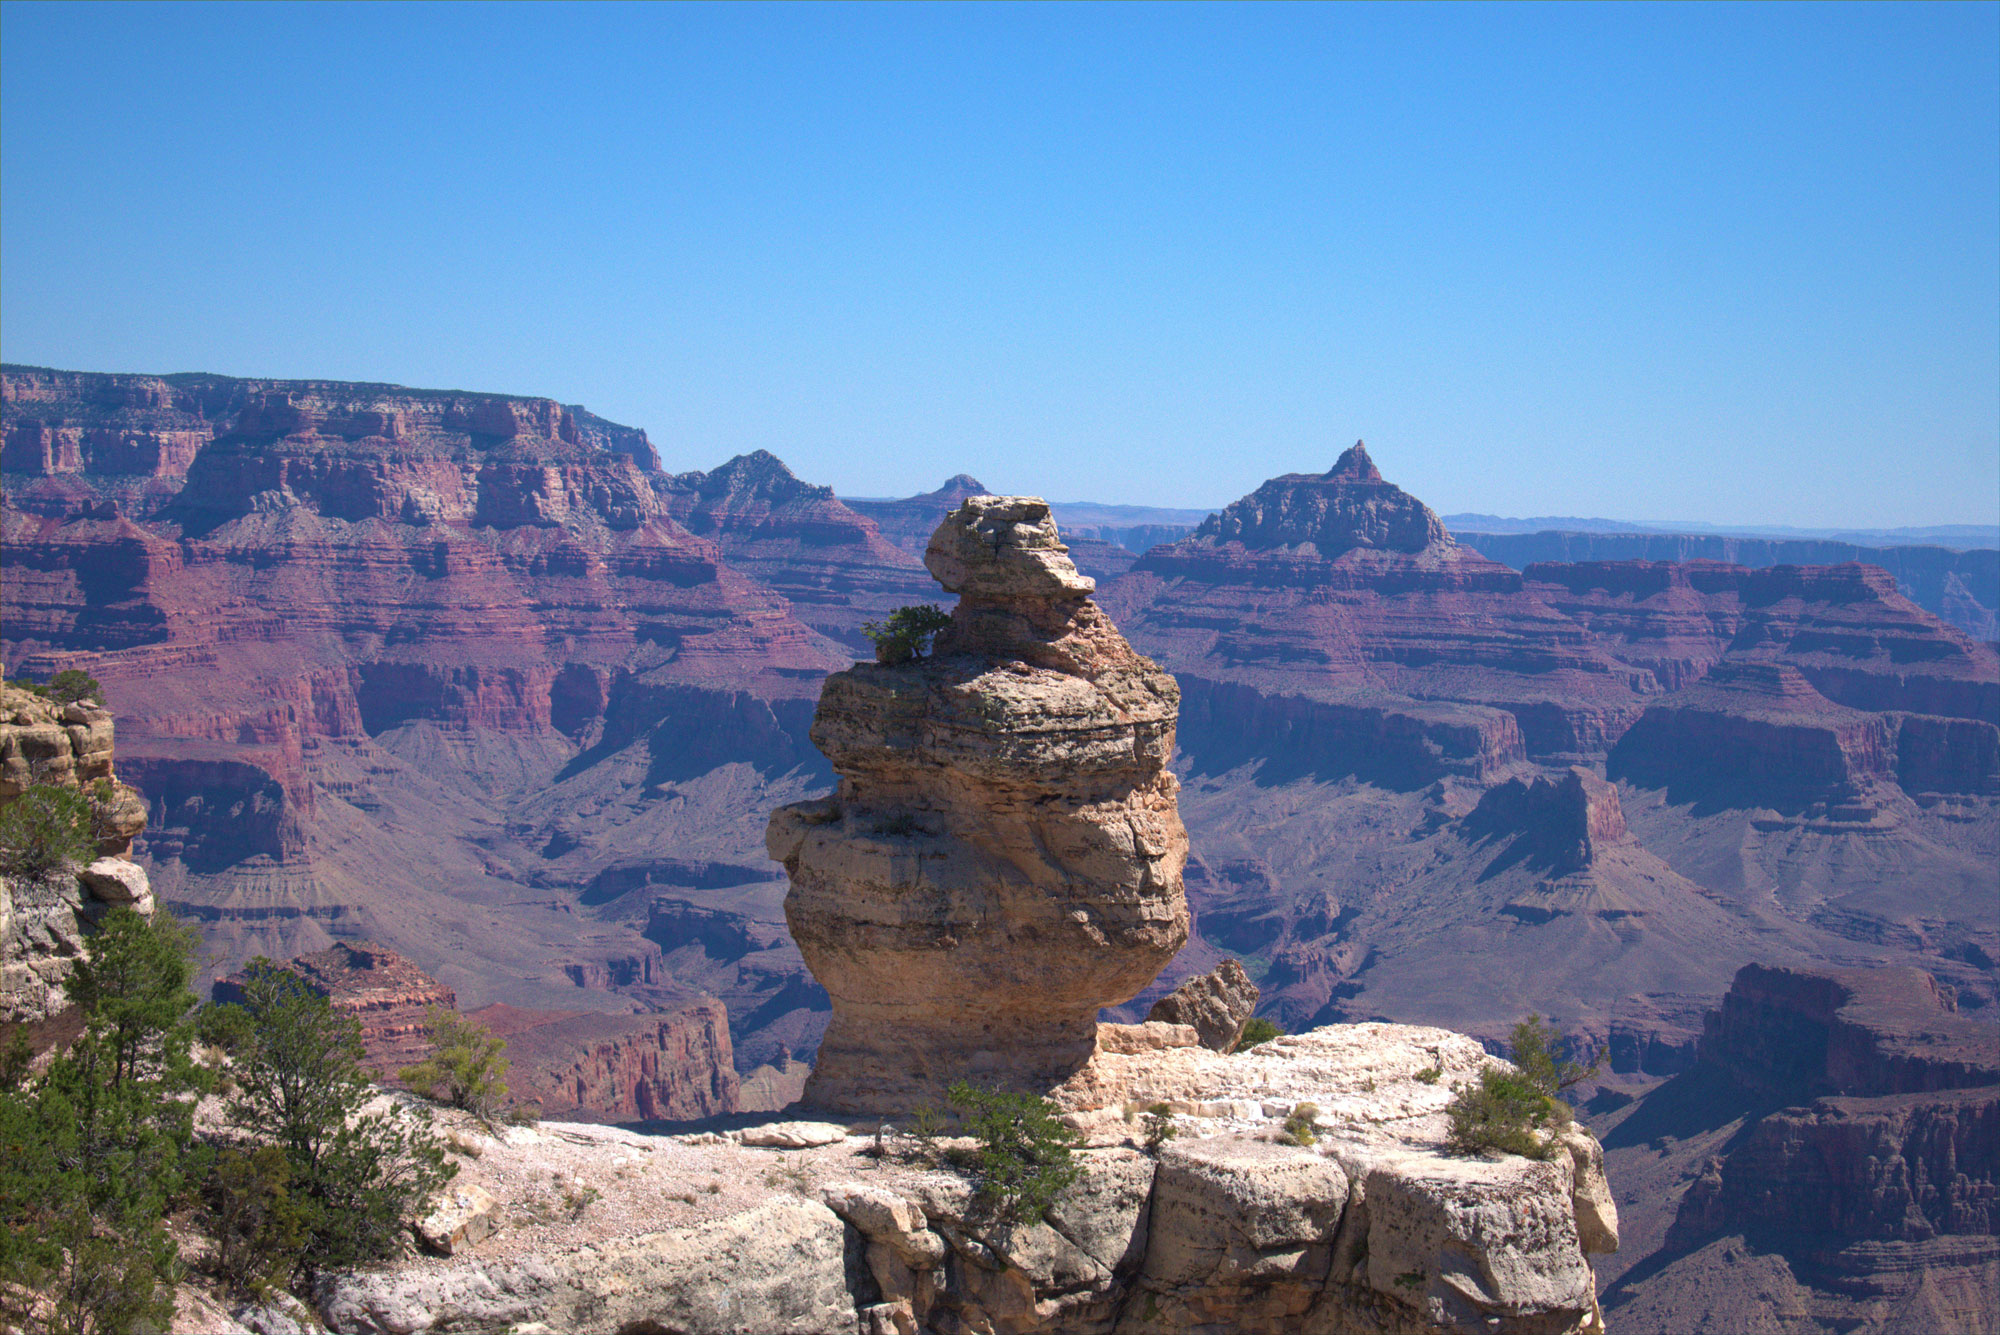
387 994
45 919
1003 856
1329 623
1228 1228
1839 1139
672 1065
1961 588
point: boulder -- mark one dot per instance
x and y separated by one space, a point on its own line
1217 1003
117 882
459 1219
794 1135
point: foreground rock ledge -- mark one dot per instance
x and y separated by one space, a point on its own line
1371 1230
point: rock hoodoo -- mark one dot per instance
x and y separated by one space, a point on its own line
1003 855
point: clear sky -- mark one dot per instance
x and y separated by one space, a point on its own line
1729 263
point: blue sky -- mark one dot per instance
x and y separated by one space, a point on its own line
1729 263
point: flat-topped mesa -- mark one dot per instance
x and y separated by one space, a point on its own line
1003 856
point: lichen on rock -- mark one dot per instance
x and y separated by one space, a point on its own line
1003 855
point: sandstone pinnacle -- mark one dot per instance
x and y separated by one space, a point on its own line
1003 855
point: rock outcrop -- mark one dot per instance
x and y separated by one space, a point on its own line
46 918
1216 1005
671 1065
832 564
1866 1164
1228 1228
1333 611
387 994
1003 856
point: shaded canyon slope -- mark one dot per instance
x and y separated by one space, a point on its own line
1828 1164
475 677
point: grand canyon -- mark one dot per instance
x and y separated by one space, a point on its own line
471 689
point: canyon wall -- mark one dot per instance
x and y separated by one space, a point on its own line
1961 588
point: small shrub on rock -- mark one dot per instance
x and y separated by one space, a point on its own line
1257 1030
258 1225
1026 1155
48 827
907 633
1512 1111
1299 1128
1158 1127
464 1066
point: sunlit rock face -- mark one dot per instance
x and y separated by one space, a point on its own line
1003 855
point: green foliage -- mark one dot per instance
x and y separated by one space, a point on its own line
907 633
926 1124
1026 1155
1535 1047
464 1066
1158 1126
46 828
1299 1128
1502 1110
31 687
1511 1110
1258 1030
259 1226
72 685
356 1177
95 1152
1430 1075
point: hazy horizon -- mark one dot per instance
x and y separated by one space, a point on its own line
1733 262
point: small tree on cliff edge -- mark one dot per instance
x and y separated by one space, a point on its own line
1026 1155
355 1176
1512 1111
95 1151
464 1067
907 633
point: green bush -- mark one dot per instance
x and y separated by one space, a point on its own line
45 828
1026 1155
258 1224
95 1152
464 1066
1299 1128
1535 1046
907 633
1511 1111
1158 1126
302 1086
1258 1030
72 685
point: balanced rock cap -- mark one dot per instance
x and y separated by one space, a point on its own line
1004 547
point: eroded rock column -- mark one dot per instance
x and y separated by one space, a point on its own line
1003 855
